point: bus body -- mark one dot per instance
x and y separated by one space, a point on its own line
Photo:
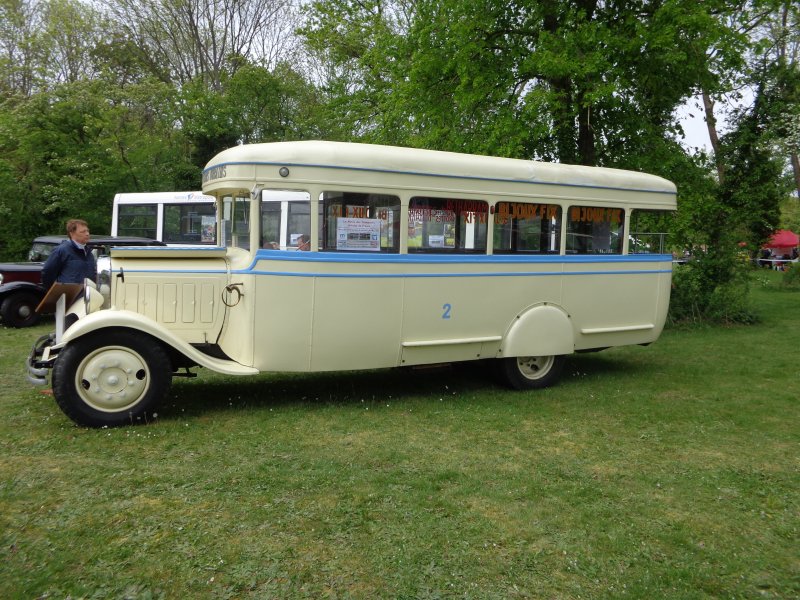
414 257
176 218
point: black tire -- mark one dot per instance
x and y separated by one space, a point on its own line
19 310
111 378
530 372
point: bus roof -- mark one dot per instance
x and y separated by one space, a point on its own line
413 161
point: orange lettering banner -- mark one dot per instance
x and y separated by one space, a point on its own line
592 214
523 210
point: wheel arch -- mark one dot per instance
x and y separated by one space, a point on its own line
15 286
540 330
179 350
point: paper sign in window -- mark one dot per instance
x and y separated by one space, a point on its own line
358 234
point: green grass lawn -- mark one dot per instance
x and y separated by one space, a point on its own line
670 471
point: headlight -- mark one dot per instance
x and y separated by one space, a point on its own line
92 298
1 279
104 286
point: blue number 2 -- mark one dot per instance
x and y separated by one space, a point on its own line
446 313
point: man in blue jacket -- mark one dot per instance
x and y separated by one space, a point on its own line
71 261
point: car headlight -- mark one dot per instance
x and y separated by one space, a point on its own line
1 279
104 285
92 298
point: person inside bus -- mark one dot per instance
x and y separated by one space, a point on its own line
303 243
71 261
270 245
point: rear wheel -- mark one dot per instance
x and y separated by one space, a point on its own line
112 378
530 372
19 310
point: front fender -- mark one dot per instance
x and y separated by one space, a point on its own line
17 286
541 330
106 319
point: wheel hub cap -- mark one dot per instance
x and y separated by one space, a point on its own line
112 379
534 367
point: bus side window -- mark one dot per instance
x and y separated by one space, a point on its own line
285 216
192 223
595 230
270 224
359 222
447 225
527 227
138 220
648 231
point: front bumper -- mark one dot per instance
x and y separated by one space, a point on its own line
40 361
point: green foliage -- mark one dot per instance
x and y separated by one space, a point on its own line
254 105
67 151
590 83
699 295
753 186
790 214
791 277
722 223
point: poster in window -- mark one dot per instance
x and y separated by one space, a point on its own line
358 234
208 226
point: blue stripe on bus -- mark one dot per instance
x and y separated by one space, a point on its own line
446 275
433 259
421 258
398 275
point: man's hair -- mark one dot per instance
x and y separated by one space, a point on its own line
73 224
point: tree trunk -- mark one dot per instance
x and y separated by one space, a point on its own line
711 123
796 171
586 149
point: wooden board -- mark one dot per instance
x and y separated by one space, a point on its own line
70 290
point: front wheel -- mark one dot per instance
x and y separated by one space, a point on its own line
530 372
112 378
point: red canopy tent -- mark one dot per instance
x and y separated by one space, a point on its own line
783 239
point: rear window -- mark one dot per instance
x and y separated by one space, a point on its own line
40 251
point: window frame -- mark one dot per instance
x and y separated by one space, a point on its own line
592 215
462 217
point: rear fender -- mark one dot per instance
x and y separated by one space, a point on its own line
541 330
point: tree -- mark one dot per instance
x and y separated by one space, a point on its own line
73 29
21 46
779 66
578 81
253 105
65 153
187 40
753 188
45 43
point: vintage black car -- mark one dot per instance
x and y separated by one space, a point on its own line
21 287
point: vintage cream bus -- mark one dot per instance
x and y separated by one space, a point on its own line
336 256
